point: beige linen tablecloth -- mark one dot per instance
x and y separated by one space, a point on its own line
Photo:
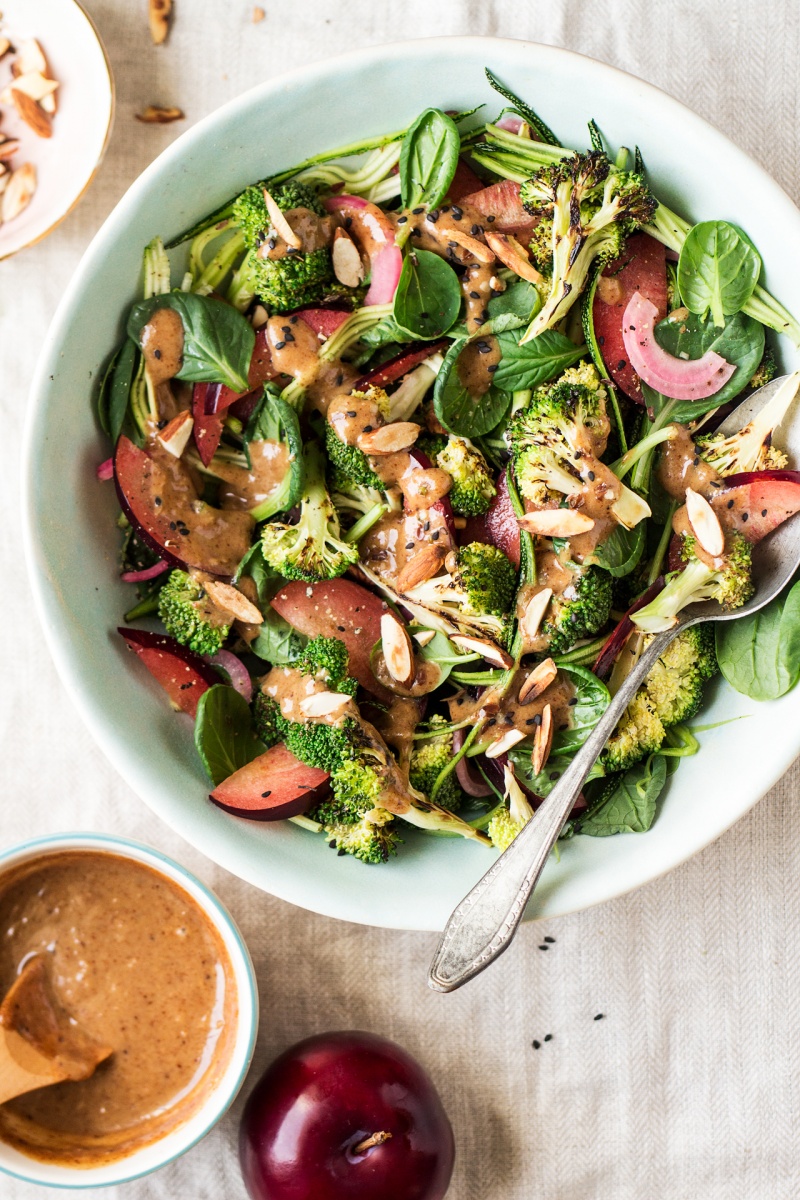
687 1088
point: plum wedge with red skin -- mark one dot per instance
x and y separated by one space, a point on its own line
218 397
614 643
271 787
501 202
183 675
400 365
158 497
642 268
767 498
208 420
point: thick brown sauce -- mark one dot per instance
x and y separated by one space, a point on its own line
432 229
682 468
513 715
313 231
162 345
476 365
479 284
137 964
244 488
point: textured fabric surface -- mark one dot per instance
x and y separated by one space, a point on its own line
688 1086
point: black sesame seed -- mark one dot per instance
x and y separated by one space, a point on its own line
184 532
591 476
292 250
695 462
492 721
410 545
161 424
548 1037
172 525
549 940
601 341
289 334
433 216
368 429
435 535
476 229
415 233
730 504
745 516
445 208
340 628
341 852
491 369
475 295
348 221
265 794
543 947
293 320
426 527
458 213
272 243
537 720
184 686
599 1016
763 512
340 381
286 329
332 845
156 354
417 211
402 220
157 501
279 345
485 315
535 1044
491 218
531 721
424 315
351 412
574 700
452 243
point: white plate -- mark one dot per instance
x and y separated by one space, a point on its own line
71 542
66 162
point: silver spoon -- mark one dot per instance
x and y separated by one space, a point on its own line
485 921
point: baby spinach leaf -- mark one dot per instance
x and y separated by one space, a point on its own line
217 340
521 299
277 642
461 410
539 360
619 554
276 421
627 803
592 699
718 270
759 655
741 341
223 732
119 393
428 159
428 296
441 651
543 783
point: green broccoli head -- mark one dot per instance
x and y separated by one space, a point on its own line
766 370
428 758
311 549
580 611
477 596
675 683
473 487
190 616
507 822
295 279
327 660
348 462
250 208
639 732
373 838
730 585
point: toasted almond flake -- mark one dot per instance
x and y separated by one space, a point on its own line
176 434
19 192
487 650
50 104
705 523
258 15
556 522
538 681
29 57
543 740
32 114
424 638
33 84
159 14
280 224
534 612
474 247
259 316
229 598
505 743
5 46
155 115
347 265
389 439
4 178
513 256
424 565
8 149
398 649
324 704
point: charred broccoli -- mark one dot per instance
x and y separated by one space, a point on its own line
477 596
507 822
730 584
580 611
473 487
751 448
429 757
190 616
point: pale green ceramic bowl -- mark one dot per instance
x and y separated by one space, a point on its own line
72 542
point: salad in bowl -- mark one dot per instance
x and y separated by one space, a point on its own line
415 455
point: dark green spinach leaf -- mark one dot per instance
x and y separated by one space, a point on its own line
461 410
592 699
627 802
428 296
521 299
759 655
217 340
223 732
718 270
619 554
428 159
528 366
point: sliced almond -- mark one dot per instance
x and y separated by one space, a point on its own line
229 598
30 57
176 434
503 744
424 638
324 704
258 15
8 149
542 740
347 265
19 192
49 104
159 13
259 316
538 681
33 84
513 256
155 115
398 649
471 244
5 46
534 612
280 224
488 650
705 523
556 522
32 114
424 565
389 439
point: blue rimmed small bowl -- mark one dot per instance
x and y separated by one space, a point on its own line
171 1146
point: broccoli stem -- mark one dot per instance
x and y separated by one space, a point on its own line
640 480
365 523
662 547
642 447
143 609
476 678
455 760
345 337
581 655
681 743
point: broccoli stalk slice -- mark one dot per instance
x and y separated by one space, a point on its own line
510 821
751 448
730 585
629 460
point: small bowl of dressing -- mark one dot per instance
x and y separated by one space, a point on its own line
145 959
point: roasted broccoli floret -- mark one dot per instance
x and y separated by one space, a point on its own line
429 757
350 462
507 822
730 584
751 449
351 497
473 487
640 732
190 616
373 838
296 278
589 209
477 597
766 370
580 611
556 443
311 549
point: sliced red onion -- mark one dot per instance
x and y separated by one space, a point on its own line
470 780
511 123
236 671
387 266
105 471
678 378
145 574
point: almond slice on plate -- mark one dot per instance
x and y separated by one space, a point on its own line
32 83
347 265
424 565
505 743
324 704
29 57
49 104
229 598
32 114
158 14
543 740
513 256
389 439
398 649
471 244
705 523
487 650
280 224
5 46
155 115
534 612
556 522
538 681
19 192
8 148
